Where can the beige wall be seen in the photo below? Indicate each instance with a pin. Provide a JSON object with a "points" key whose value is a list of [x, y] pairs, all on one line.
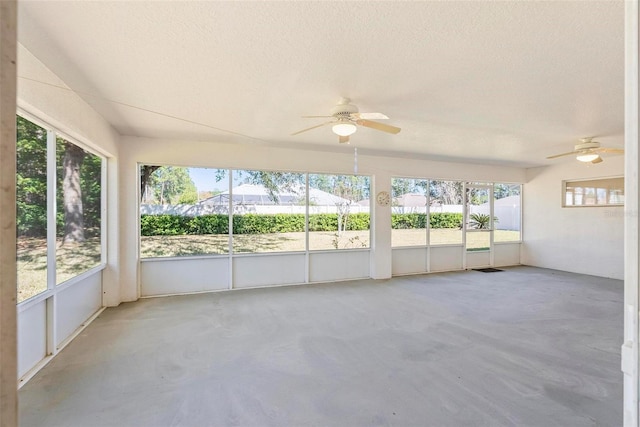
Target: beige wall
{"points": [[553, 237], [257, 156], [588, 240], [70, 114]]}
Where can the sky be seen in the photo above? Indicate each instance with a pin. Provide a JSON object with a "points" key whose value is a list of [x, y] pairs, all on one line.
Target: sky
{"points": [[205, 180]]}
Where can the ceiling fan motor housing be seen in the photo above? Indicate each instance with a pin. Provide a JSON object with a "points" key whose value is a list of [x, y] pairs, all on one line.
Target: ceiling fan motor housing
{"points": [[344, 110], [587, 146]]}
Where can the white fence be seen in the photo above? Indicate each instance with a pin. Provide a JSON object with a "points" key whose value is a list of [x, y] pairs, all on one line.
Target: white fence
{"points": [[198, 210], [507, 211]]}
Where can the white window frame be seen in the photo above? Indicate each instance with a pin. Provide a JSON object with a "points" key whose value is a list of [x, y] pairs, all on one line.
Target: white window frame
{"points": [[52, 289]]}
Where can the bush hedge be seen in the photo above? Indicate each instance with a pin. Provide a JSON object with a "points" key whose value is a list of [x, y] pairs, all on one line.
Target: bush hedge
{"points": [[445, 220], [173, 225]]}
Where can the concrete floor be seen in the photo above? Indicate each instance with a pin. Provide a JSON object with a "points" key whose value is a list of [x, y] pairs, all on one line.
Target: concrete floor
{"points": [[525, 346]]}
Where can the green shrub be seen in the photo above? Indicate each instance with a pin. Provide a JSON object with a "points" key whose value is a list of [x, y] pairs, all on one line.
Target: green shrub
{"points": [[356, 222], [480, 221], [408, 221], [445, 220], [173, 225], [419, 220], [31, 220], [323, 222], [209, 224], [288, 223], [164, 225]]}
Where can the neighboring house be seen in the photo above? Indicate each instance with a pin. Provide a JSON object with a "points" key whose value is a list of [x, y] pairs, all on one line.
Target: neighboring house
{"points": [[251, 198]]}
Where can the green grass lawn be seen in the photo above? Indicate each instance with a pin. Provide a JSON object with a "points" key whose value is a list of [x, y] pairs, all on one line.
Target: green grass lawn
{"points": [[450, 236], [166, 246], [72, 260]]}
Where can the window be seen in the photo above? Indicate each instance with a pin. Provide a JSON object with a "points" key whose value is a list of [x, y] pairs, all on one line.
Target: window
{"points": [[79, 210], [445, 212], [55, 175], [179, 217], [186, 211], [594, 192], [506, 212], [409, 212], [338, 211], [31, 205], [269, 211]]}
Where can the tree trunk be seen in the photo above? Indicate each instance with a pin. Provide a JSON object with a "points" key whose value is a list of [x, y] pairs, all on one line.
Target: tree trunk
{"points": [[72, 194], [145, 175], [343, 214]]}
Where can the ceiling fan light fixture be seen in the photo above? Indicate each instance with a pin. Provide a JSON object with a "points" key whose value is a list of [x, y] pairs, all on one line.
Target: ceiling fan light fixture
{"points": [[344, 129], [586, 158]]}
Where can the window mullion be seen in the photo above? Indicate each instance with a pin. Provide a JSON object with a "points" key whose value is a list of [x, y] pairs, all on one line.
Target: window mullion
{"points": [[306, 230], [230, 231], [51, 209]]}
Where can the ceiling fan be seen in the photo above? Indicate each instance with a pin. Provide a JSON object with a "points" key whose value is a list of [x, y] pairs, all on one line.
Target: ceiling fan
{"points": [[588, 151], [346, 120]]}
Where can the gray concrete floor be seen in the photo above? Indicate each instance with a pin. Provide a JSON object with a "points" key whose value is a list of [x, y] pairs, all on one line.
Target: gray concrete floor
{"points": [[525, 346]]}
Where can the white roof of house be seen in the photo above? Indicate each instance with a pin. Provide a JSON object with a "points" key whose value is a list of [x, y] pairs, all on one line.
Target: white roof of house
{"points": [[258, 194], [410, 199]]}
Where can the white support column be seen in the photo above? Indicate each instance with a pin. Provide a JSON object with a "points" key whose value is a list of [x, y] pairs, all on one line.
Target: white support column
{"points": [[631, 220], [381, 223], [8, 282], [110, 236], [129, 233], [111, 217]]}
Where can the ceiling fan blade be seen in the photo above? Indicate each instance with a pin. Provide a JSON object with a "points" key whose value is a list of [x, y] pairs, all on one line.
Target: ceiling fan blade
{"points": [[378, 126], [610, 150], [343, 139], [597, 160], [563, 154], [370, 116], [312, 127]]}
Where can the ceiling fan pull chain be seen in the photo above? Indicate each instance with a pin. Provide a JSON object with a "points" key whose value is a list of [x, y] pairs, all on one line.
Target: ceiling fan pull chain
{"points": [[355, 161]]}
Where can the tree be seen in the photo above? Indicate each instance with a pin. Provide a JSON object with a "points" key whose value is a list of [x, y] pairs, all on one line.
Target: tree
{"points": [[275, 182], [349, 187], [31, 179], [78, 192], [145, 177], [352, 187], [91, 184], [190, 194], [78, 186], [401, 186], [72, 194], [167, 185], [446, 192], [500, 191]]}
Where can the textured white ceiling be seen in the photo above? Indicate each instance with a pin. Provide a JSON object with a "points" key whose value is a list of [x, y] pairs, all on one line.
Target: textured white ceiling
{"points": [[491, 82]]}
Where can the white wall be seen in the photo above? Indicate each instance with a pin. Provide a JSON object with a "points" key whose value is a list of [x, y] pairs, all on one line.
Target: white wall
{"points": [[588, 240], [70, 114], [48, 320], [255, 156]]}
